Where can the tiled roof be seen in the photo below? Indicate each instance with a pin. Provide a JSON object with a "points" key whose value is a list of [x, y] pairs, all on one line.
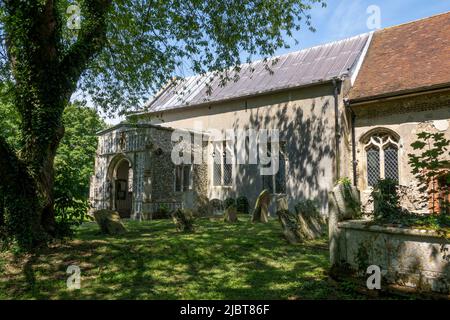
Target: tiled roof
{"points": [[296, 69], [405, 58]]}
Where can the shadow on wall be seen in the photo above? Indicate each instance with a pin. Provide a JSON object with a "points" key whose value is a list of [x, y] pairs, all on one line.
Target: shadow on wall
{"points": [[308, 134]]}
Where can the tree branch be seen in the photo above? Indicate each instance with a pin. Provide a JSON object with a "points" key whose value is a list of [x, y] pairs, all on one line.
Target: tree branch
{"points": [[91, 39]]}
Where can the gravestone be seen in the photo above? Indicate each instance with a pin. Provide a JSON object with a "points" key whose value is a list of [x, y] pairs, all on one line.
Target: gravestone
{"points": [[109, 222], [230, 214], [183, 220], [282, 203], [346, 201], [311, 223], [261, 211], [288, 221]]}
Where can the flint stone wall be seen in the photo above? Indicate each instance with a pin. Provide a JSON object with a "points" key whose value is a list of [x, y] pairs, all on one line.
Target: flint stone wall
{"points": [[148, 149]]}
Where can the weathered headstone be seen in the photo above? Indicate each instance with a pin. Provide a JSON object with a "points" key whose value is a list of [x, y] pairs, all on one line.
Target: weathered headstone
{"points": [[288, 221], [109, 222], [289, 225], [311, 223], [282, 203], [261, 211], [230, 214], [183, 220], [346, 201]]}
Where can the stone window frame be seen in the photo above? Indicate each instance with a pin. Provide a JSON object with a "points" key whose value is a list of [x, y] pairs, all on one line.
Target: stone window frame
{"points": [[380, 138]]}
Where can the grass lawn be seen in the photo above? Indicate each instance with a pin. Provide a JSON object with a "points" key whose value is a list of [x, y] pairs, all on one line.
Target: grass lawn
{"points": [[153, 261]]}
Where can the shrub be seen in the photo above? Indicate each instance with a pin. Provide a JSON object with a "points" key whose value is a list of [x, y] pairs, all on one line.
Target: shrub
{"points": [[216, 205], [242, 205], [431, 167], [71, 211], [229, 202], [386, 199], [163, 212]]}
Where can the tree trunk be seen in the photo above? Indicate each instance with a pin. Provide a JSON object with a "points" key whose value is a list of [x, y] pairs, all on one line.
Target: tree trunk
{"points": [[45, 77], [20, 198], [2, 209], [39, 151]]}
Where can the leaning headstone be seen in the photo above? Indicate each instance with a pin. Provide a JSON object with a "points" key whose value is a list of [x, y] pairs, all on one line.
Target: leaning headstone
{"points": [[282, 203], [183, 220], [311, 223], [346, 201], [261, 211], [230, 214], [289, 225], [289, 221], [109, 222]]}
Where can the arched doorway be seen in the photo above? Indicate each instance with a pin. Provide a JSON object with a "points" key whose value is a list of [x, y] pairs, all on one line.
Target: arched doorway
{"points": [[121, 177]]}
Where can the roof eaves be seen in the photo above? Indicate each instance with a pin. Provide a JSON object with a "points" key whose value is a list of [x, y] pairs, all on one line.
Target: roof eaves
{"points": [[399, 94], [256, 94]]}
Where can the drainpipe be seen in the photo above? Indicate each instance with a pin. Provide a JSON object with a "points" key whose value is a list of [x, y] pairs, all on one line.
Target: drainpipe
{"points": [[347, 104], [336, 92]]}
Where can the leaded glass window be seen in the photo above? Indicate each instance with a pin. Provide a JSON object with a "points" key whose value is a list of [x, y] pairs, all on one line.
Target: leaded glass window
{"points": [[373, 165], [391, 162], [382, 157], [222, 164]]}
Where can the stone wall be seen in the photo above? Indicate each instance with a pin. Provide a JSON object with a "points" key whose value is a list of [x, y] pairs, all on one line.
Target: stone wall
{"points": [[410, 257], [148, 150], [405, 117], [306, 120]]}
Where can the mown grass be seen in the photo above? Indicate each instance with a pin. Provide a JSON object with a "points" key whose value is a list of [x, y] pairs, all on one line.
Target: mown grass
{"points": [[153, 261]]}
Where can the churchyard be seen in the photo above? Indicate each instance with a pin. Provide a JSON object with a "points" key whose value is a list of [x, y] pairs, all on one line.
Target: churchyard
{"points": [[152, 260]]}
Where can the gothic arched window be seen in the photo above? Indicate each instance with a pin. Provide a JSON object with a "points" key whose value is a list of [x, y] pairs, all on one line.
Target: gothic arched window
{"points": [[382, 157]]}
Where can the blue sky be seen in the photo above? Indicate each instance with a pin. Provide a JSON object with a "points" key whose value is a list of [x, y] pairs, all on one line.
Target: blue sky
{"points": [[345, 18]]}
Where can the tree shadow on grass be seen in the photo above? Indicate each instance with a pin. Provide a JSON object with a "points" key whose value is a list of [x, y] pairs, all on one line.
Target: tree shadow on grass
{"points": [[153, 261]]}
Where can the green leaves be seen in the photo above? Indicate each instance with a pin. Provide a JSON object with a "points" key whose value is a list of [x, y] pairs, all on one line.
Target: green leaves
{"points": [[433, 161], [386, 200], [74, 162], [149, 42]]}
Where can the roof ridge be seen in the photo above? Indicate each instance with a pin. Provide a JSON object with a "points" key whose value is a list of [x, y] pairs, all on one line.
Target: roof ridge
{"points": [[323, 45], [414, 21]]}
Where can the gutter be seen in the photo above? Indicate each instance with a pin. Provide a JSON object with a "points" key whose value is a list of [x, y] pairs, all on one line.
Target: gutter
{"points": [[230, 99], [400, 94], [353, 119], [336, 91]]}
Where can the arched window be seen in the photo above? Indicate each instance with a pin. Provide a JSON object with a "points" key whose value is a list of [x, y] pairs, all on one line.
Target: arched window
{"points": [[381, 156]]}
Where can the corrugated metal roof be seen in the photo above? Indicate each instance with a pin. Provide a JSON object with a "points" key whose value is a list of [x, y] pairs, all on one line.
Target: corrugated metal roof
{"points": [[296, 69]]}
